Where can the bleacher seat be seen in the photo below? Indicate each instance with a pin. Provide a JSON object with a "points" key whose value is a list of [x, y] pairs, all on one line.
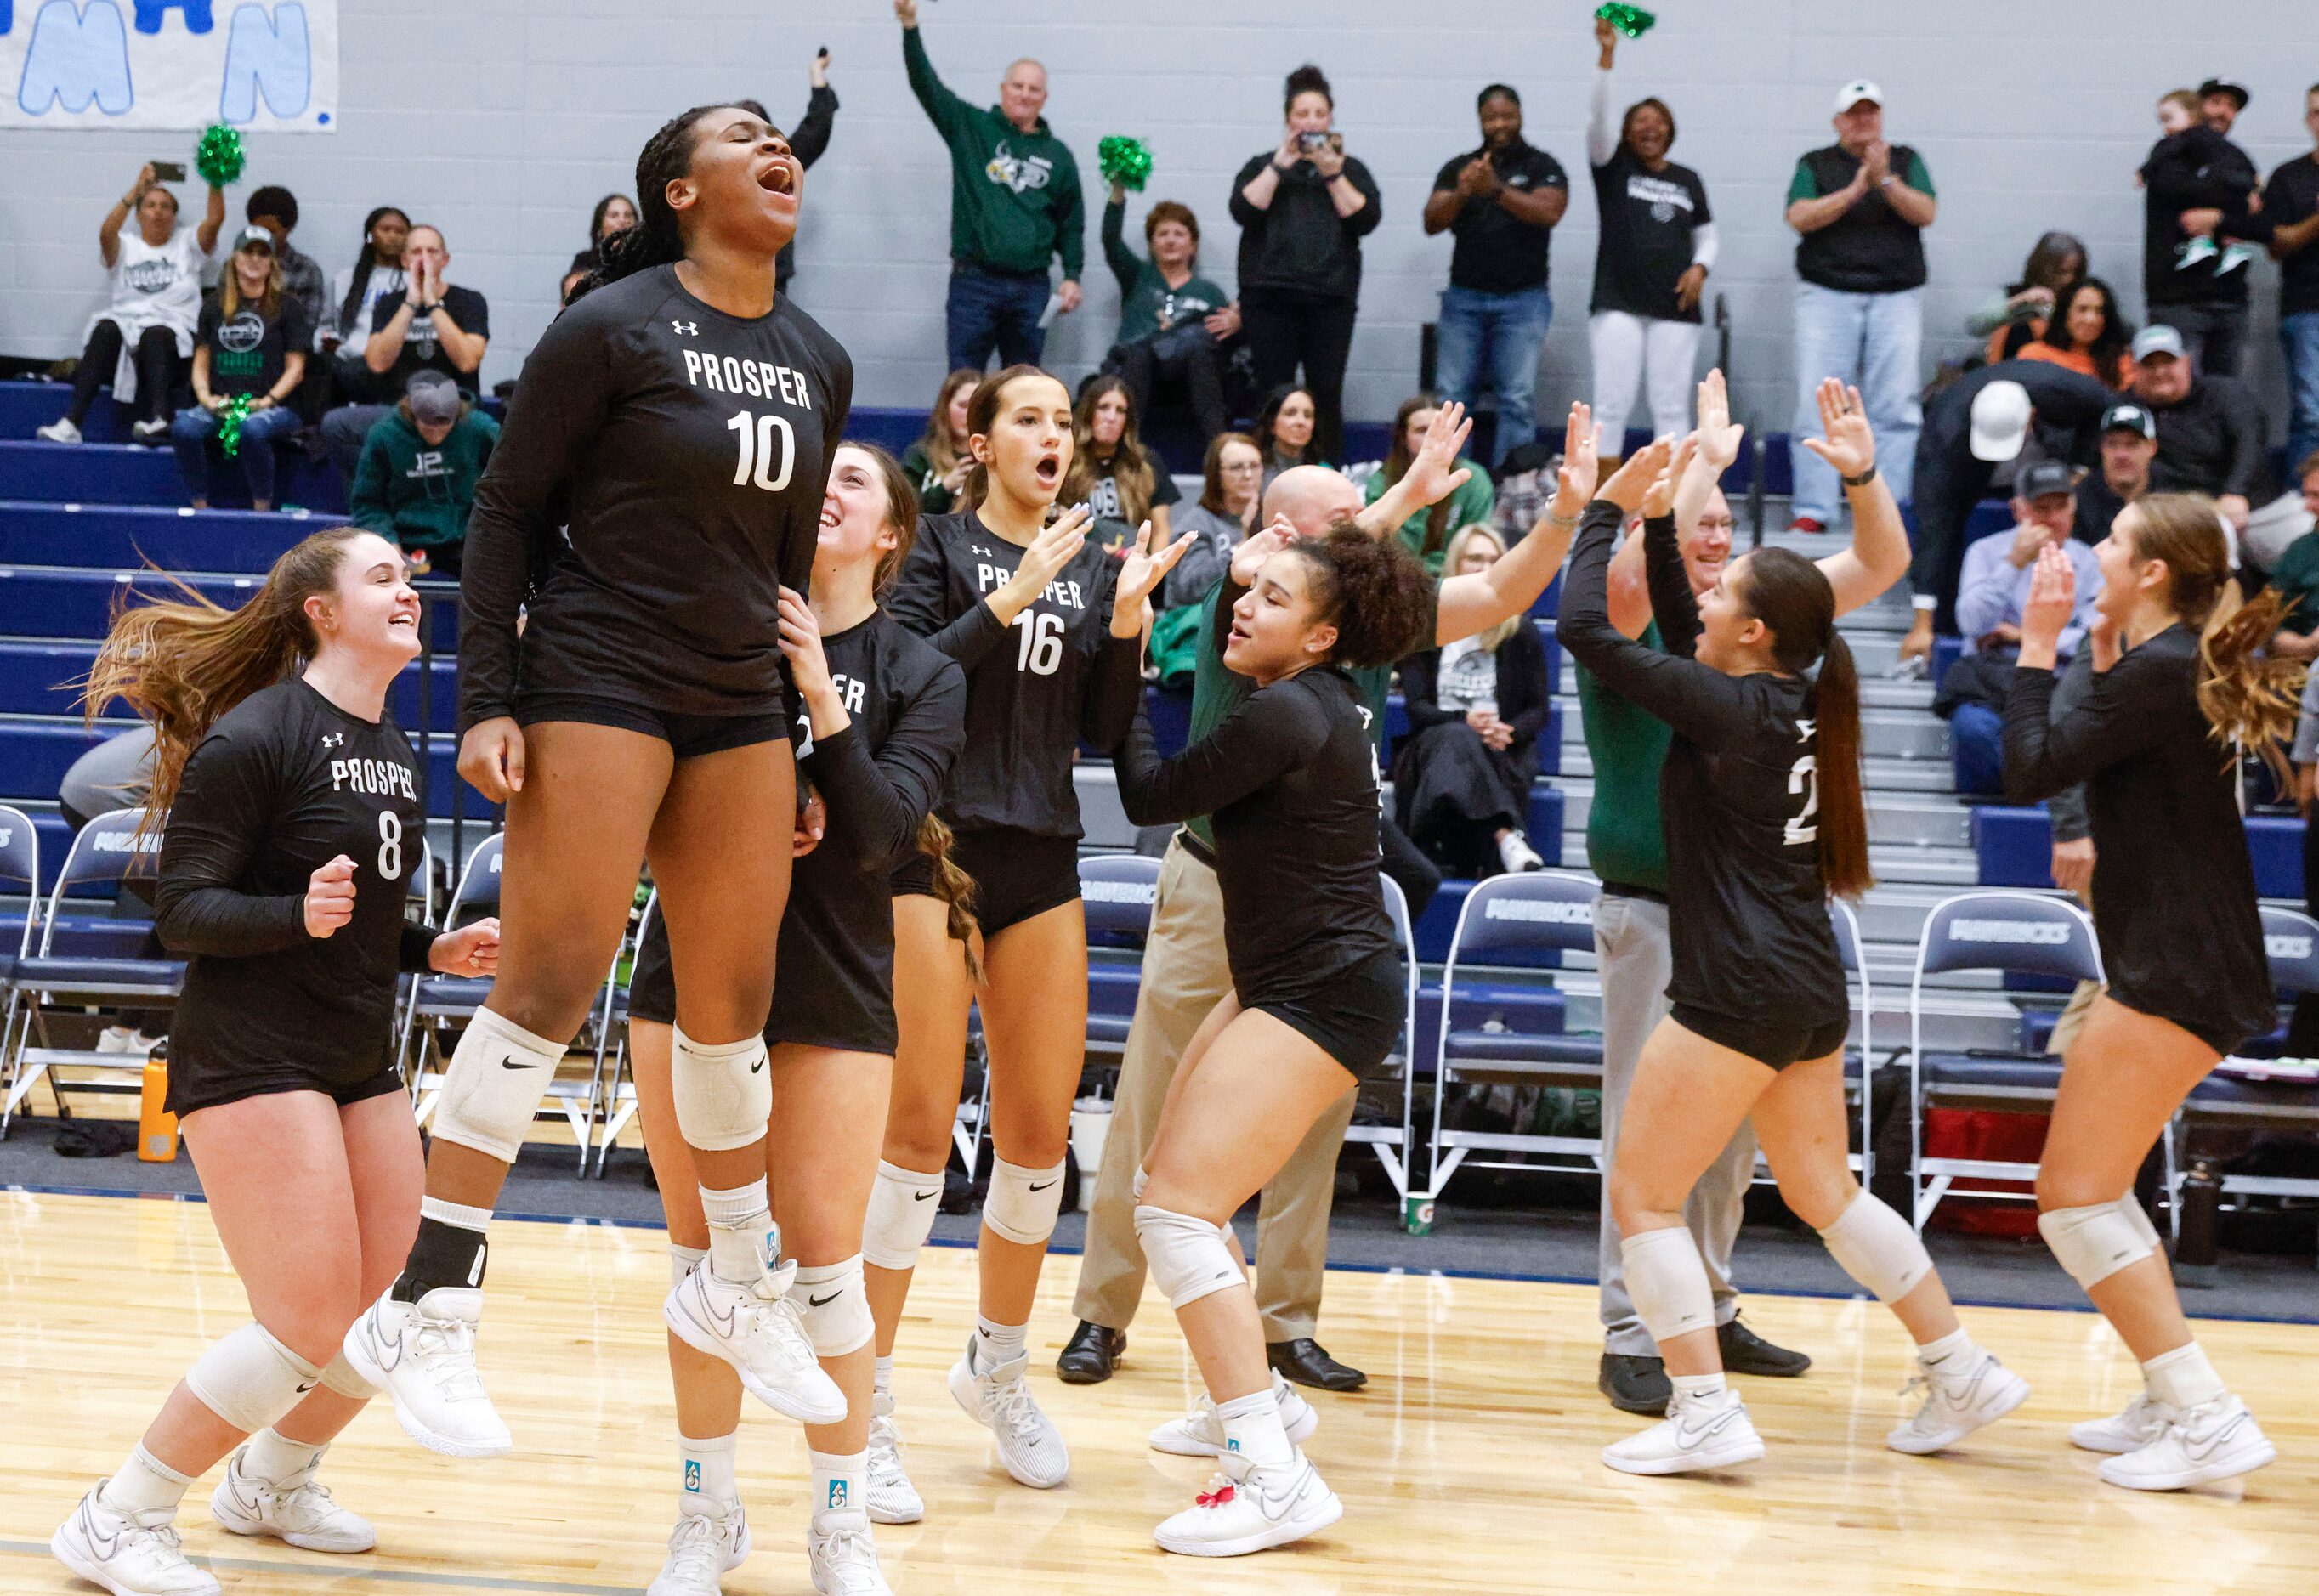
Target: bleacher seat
{"points": [[1116, 892], [2014, 847]]}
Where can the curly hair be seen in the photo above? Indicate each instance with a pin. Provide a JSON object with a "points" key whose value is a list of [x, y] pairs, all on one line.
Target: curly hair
{"points": [[1374, 589]]}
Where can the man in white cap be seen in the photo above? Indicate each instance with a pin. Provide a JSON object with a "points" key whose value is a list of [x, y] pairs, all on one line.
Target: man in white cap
{"points": [[2209, 432], [1861, 205]]}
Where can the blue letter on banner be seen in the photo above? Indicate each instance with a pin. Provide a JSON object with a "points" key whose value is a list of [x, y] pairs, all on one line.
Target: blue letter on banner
{"points": [[77, 56], [271, 55]]}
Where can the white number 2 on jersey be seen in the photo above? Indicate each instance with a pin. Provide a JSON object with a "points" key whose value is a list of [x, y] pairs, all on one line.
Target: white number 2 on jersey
{"points": [[759, 436], [1041, 651], [390, 846], [1803, 777]]}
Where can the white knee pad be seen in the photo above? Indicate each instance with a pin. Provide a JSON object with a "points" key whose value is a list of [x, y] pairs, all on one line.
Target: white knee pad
{"points": [[724, 1093], [340, 1376], [1878, 1248], [1142, 1179], [1667, 1282], [499, 1073], [901, 1216], [249, 1379], [830, 1299], [681, 1260], [1023, 1203], [1187, 1256], [2095, 1243]]}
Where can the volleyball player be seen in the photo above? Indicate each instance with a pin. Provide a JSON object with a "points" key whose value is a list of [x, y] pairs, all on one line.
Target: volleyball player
{"points": [[294, 828], [1050, 629], [2180, 684], [1289, 779], [676, 424], [1760, 797]]}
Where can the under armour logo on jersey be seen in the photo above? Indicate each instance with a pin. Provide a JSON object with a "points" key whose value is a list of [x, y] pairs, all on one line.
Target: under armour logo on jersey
{"points": [[688, 328], [334, 739]]}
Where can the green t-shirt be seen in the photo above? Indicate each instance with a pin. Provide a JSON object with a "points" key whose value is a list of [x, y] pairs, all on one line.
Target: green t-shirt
{"points": [[1470, 503], [1625, 841], [1217, 690], [2297, 578]]}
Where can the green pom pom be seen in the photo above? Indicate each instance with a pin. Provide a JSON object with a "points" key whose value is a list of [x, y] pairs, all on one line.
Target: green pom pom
{"points": [[220, 157], [1632, 20], [1124, 160], [230, 416]]}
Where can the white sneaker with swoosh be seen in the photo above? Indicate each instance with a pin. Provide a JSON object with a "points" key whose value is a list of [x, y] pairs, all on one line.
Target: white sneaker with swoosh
{"points": [[1698, 1434], [758, 1330], [2143, 1421], [702, 1548], [999, 1400], [1201, 1434], [422, 1354], [129, 1554], [1251, 1507], [843, 1556], [300, 1514], [2212, 1441], [1955, 1405], [890, 1496]]}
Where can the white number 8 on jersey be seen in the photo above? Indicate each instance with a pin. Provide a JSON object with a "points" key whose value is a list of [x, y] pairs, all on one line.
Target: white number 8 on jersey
{"points": [[390, 846]]}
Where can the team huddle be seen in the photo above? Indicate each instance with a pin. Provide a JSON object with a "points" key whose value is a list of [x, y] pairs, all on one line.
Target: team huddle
{"points": [[703, 637]]}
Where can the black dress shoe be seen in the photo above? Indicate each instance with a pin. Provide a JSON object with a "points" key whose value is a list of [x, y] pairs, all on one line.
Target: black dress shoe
{"points": [[1305, 1361], [1635, 1385], [1091, 1354], [1746, 1353]]}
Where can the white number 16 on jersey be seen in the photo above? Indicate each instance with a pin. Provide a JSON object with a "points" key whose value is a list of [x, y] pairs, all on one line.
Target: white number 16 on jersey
{"points": [[760, 436]]}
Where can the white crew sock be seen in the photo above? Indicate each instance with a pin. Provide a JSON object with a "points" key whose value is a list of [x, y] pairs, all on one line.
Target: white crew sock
{"points": [[707, 1487], [742, 1239], [1699, 1386], [2183, 1379], [838, 1480], [1252, 1428], [1952, 1354], [882, 1381], [994, 1344], [144, 1483], [279, 1461]]}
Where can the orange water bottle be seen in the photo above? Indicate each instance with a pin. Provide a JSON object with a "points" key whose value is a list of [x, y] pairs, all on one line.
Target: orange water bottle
{"points": [[157, 1127]]}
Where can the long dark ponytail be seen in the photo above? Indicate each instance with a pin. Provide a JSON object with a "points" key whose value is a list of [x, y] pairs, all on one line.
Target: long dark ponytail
{"points": [[656, 239], [366, 261], [1791, 596], [953, 887]]}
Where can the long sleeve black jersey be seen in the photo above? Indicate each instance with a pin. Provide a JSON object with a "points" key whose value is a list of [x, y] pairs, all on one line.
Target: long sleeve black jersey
{"points": [[683, 452], [1034, 689]]}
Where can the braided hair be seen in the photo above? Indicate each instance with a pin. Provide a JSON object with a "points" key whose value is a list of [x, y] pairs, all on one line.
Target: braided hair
{"points": [[656, 239]]}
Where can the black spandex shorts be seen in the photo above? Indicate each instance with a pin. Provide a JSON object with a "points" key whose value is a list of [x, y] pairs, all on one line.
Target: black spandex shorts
{"points": [[690, 736], [2224, 1039], [1017, 875], [1355, 1017], [192, 1085], [812, 1014], [1773, 1044]]}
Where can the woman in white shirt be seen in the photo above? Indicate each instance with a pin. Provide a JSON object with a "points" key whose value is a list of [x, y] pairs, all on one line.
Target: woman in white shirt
{"points": [[143, 338]]}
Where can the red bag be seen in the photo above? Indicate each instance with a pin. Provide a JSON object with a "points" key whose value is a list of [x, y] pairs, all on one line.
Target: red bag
{"points": [[1998, 1137]]}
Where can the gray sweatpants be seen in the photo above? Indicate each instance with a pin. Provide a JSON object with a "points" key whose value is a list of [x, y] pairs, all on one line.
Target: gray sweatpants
{"points": [[1630, 946]]}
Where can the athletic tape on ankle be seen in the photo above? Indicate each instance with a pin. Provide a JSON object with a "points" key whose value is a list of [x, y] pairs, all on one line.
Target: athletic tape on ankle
{"points": [[1023, 1203], [1668, 1284], [724, 1092], [340, 1376], [1877, 1247], [830, 1299], [1187, 1256], [498, 1074], [681, 1260], [901, 1216], [2095, 1242], [249, 1379]]}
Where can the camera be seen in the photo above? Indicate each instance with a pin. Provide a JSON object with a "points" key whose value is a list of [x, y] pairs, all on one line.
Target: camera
{"points": [[1314, 143]]}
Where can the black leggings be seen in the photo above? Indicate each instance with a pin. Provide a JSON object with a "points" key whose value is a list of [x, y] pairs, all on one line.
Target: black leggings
{"points": [[157, 371], [1287, 329], [1197, 361]]}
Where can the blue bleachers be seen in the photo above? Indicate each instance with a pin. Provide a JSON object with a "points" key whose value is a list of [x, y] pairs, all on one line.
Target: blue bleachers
{"points": [[33, 678], [37, 603], [124, 473], [127, 537], [2015, 848]]}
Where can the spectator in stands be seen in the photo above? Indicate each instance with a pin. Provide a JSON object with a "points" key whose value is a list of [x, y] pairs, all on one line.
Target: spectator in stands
{"points": [[1014, 206], [1990, 594], [251, 341], [1426, 533], [2295, 575], [614, 213], [2129, 442], [808, 141], [2290, 204], [1112, 472], [1172, 321], [2209, 434], [1462, 776], [1303, 210], [938, 462], [1285, 429], [1972, 429], [1650, 268], [2088, 335], [2021, 313], [1231, 487], [1861, 206], [2198, 199], [275, 209], [1502, 201], [420, 462], [433, 325], [140, 340], [376, 275]]}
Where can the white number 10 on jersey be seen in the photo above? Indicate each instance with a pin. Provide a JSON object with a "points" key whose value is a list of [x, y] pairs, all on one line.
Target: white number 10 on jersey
{"points": [[760, 436]]}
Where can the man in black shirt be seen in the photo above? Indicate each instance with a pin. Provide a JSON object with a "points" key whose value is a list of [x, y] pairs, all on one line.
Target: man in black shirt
{"points": [[431, 326], [2129, 443], [1502, 201], [2209, 433], [2290, 204]]}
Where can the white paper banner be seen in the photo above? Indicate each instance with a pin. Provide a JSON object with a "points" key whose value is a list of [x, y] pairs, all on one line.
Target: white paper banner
{"points": [[270, 66]]}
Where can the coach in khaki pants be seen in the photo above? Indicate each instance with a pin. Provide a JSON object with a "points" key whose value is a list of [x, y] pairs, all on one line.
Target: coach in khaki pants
{"points": [[1184, 978]]}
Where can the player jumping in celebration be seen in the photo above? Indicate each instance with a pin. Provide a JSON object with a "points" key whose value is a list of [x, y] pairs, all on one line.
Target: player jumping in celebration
{"points": [[294, 828], [1760, 799], [2179, 682], [677, 424], [1289, 779], [1050, 629], [887, 714]]}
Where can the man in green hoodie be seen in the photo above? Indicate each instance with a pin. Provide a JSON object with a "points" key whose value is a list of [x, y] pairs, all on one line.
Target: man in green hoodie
{"points": [[1014, 206], [420, 462]]}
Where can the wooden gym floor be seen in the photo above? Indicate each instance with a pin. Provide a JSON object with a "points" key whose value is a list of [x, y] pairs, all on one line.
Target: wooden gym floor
{"points": [[1467, 1465]]}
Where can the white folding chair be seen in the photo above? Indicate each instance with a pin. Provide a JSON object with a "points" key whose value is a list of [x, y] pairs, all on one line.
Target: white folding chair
{"points": [[1391, 1143], [20, 862], [1848, 949]]}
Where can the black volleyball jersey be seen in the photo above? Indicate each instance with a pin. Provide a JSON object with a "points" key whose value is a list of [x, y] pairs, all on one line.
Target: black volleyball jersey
{"points": [[684, 453], [286, 782], [1739, 795], [1289, 781], [1034, 689]]}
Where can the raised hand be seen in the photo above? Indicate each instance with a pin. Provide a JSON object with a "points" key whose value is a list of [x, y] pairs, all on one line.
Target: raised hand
{"points": [[1581, 466], [906, 11], [1633, 479], [1850, 446], [330, 897], [470, 950], [1145, 567], [1055, 545], [1435, 474], [1719, 435], [2053, 599], [1658, 499], [1252, 551]]}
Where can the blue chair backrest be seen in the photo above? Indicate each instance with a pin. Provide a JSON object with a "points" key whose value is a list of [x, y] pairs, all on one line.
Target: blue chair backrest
{"points": [[479, 884], [2009, 931], [1847, 933], [108, 849], [1117, 891], [2292, 941], [1530, 913], [20, 849]]}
